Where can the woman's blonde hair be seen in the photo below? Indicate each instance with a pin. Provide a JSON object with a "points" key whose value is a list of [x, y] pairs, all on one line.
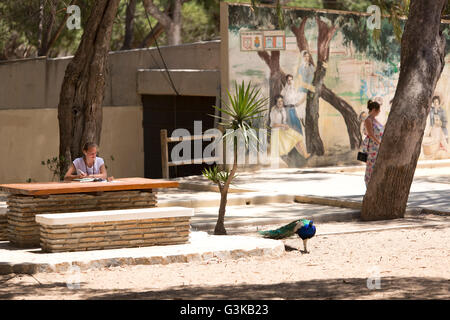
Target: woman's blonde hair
{"points": [[89, 145]]}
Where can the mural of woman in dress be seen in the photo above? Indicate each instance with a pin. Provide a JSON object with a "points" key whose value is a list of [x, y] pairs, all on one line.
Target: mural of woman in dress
{"points": [[435, 144], [288, 138], [291, 98], [437, 110], [305, 76]]}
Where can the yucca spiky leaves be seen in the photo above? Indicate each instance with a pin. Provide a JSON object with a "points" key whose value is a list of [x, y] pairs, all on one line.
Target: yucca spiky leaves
{"points": [[242, 109], [219, 177]]}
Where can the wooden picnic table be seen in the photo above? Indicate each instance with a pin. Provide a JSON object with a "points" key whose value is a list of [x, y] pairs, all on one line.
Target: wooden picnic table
{"points": [[48, 188], [25, 200]]}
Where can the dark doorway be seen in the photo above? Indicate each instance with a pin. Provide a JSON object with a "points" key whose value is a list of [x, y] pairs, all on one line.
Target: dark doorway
{"points": [[172, 112]]}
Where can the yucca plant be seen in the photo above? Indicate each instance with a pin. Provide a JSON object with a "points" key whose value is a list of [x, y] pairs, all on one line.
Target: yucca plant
{"points": [[238, 114]]}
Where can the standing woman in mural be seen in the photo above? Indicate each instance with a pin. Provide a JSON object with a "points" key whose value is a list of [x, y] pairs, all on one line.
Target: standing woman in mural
{"points": [[288, 138], [291, 100], [371, 144], [437, 110], [305, 76]]}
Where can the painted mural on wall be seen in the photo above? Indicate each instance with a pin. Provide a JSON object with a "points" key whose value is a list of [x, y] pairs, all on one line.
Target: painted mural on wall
{"points": [[319, 72]]}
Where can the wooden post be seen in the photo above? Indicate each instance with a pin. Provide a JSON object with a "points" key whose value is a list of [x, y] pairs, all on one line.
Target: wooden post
{"points": [[164, 154]]}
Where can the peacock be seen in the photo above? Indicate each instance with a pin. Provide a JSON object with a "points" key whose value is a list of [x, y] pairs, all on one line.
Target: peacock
{"points": [[303, 227]]}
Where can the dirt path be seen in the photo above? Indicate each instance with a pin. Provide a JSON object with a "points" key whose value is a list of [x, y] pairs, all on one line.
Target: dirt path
{"points": [[409, 263]]}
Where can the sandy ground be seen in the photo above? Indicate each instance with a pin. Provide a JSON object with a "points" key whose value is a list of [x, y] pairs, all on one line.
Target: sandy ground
{"points": [[406, 263]]}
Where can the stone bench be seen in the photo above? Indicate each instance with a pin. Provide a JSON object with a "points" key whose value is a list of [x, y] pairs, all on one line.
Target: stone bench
{"points": [[113, 229], [23, 231]]}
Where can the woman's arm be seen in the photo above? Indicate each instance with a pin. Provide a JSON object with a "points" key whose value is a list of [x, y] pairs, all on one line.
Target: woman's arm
{"points": [[70, 174], [103, 174], [369, 129]]}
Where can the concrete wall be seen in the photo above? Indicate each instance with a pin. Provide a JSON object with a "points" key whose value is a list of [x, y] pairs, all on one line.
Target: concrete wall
{"points": [[29, 96], [36, 83], [29, 136]]}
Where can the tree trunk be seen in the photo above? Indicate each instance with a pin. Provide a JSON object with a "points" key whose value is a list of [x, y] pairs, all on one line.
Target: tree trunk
{"points": [[173, 33], [152, 35], [422, 61], [277, 77], [299, 33], [82, 90], [220, 224], [314, 143], [41, 25], [129, 25], [170, 19], [347, 112]]}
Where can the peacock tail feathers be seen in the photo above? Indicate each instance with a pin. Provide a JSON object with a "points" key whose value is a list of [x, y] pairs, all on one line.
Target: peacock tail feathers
{"points": [[285, 231]]}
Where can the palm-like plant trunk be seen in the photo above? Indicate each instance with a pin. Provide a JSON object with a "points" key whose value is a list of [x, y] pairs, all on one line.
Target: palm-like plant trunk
{"points": [[220, 224]]}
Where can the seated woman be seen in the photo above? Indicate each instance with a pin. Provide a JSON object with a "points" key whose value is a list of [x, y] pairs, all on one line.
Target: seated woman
{"points": [[88, 166], [288, 138], [434, 141]]}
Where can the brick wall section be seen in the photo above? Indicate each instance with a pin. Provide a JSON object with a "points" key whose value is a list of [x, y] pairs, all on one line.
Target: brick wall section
{"points": [[23, 231], [115, 234]]}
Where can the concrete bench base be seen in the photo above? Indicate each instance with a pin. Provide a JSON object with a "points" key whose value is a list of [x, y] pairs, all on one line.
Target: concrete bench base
{"points": [[114, 229], [23, 231]]}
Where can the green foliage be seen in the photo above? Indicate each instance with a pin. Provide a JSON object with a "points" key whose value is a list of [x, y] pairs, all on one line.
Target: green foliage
{"points": [[218, 177], [355, 32], [55, 165], [19, 25], [201, 20], [395, 10], [19, 21], [242, 109]]}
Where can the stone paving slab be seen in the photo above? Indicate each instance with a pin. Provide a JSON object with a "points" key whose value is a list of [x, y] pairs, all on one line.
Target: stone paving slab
{"points": [[209, 199], [430, 189], [201, 247], [273, 213]]}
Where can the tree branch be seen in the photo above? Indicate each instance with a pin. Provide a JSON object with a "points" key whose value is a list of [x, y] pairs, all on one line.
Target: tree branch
{"points": [[265, 56], [150, 37], [129, 25], [299, 33], [153, 10], [325, 35], [59, 30]]}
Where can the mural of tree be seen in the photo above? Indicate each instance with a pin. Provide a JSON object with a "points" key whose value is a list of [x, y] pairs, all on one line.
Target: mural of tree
{"points": [[355, 34], [277, 75]]}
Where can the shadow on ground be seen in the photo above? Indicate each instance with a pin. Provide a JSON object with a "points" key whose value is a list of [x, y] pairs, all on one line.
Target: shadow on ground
{"points": [[351, 288]]}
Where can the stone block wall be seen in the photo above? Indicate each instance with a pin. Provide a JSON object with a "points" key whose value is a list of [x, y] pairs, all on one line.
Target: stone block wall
{"points": [[115, 234], [23, 231], [3, 225]]}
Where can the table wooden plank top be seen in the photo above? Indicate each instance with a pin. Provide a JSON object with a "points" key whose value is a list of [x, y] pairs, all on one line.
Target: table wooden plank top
{"points": [[48, 188]]}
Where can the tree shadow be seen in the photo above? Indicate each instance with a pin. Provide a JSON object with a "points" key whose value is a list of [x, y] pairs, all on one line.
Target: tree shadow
{"points": [[338, 288], [350, 288]]}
